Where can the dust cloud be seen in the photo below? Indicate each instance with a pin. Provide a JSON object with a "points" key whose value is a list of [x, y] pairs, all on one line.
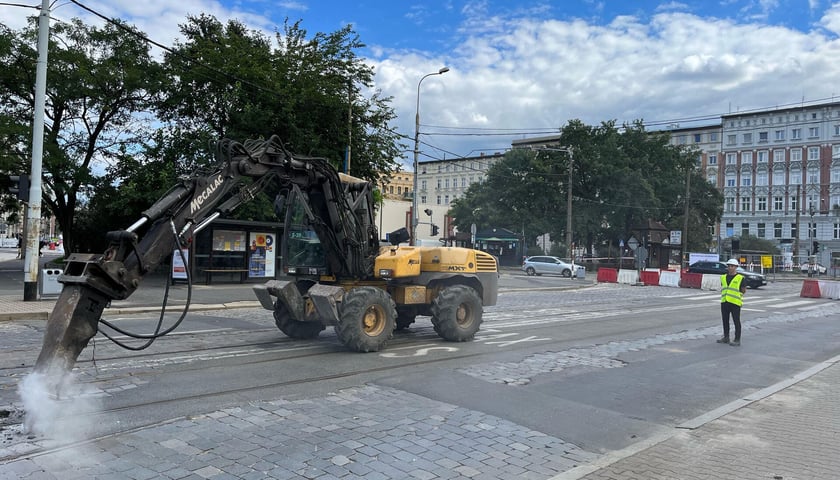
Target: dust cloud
{"points": [[57, 410]]}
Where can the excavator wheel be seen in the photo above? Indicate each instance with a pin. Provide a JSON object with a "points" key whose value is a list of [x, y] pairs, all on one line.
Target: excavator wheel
{"points": [[293, 328], [405, 317], [456, 313], [367, 319]]}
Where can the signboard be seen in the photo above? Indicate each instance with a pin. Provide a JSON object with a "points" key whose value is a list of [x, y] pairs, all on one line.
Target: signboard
{"points": [[228, 241], [179, 269], [261, 255], [702, 257], [767, 261], [676, 237]]}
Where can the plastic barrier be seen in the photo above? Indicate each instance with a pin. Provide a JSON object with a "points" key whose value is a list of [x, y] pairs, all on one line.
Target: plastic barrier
{"points": [[650, 277], [711, 281], [691, 280], [630, 277], [607, 275], [669, 278], [829, 289], [810, 289]]}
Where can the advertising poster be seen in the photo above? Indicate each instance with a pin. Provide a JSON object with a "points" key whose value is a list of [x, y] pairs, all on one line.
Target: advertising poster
{"points": [[179, 269], [261, 255]]}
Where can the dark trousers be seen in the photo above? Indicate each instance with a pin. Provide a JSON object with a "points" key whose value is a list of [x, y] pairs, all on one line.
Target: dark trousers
{"points": [[726, 309]]}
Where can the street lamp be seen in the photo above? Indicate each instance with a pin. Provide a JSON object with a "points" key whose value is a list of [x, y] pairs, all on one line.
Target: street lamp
{"points": [[415, 220]]}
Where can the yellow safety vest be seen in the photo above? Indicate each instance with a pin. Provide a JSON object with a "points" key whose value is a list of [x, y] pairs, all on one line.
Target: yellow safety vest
{"points": [[731, 293]]}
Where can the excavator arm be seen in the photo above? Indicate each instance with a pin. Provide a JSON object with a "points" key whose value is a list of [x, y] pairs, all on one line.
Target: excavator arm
{"points": [[91, 281]]}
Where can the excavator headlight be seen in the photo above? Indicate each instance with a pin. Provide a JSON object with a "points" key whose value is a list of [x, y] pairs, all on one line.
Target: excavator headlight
{"points": [[292, 270], [386, 273]]}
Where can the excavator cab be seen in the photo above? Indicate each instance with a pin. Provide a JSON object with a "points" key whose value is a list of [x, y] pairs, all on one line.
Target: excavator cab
{"points": [[303, 253]]}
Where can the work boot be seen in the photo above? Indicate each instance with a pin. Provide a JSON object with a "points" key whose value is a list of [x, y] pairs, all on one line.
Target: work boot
{"points": [[723, 339], [735, 343]]}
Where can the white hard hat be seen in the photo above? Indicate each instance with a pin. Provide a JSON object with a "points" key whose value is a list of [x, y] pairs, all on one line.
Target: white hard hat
{"points": [[732, 261]]}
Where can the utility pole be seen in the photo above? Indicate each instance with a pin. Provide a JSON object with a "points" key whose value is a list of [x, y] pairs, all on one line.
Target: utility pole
{"points": [[569, 210], [685, 220], [796, 239], [33, 215]]}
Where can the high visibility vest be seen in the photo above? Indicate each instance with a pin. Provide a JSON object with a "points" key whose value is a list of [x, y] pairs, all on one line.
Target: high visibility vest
{"points": [[731, 293]]}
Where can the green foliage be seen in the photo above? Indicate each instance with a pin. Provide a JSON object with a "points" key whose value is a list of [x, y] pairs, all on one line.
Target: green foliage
{"points": [[620, 179]]}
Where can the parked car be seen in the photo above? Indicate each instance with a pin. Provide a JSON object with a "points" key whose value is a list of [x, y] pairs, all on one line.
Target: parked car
{"points": [[751, 279], [540, 265], [813, 267]]}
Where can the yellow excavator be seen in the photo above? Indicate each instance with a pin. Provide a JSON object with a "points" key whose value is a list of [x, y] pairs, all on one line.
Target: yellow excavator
{"points": [[335, 271]]}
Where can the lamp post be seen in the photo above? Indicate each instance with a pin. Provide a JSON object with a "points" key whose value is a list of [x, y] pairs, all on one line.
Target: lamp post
{"points": [[415, 217], [812, 258]]}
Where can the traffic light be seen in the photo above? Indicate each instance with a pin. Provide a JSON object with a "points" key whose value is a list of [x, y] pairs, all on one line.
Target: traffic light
{"points": [[435, 230], [19, 187], [816, 248]]}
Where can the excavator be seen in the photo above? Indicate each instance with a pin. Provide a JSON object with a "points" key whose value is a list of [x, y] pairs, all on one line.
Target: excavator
{"points": [[335, 270]]}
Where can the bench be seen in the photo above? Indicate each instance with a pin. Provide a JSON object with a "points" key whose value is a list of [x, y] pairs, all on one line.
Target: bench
{"points": [[210, 271]]}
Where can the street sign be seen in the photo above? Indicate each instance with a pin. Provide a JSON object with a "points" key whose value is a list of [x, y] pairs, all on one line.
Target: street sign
{"points": [[633, 243], [676, 237]]}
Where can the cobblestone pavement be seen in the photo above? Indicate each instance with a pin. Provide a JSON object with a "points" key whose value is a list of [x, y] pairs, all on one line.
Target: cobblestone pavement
{"points": [[790, 435], [366, 432]]}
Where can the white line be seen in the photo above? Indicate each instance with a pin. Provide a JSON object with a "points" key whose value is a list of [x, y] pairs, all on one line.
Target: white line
{"points": [[792, 304]]}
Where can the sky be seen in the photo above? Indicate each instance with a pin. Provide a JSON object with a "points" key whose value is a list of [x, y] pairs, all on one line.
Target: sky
{"points": [[522, 68]]}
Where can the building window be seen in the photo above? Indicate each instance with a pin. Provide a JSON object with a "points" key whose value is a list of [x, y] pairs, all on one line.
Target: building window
{"points": [[761, 231], [779, 156], [746, 179], [422, 199], [730, 139], [399, 190], [793, 232], [439, 181], [746, 157], [795, 154], [813, 176], [730, 204], [780, 135], [794, 203], [446, 183], [713, 159], [713, 137], [712, 178], [837, 130], [762, 136], [762, 156], [796, 177], [777, 230], [746, 204], [747, 138], [796, 134], [762, 206], [836, 231], [731, 158], [761, 178], [813, 132], [730, 179], [698, 138], [446, 200], [730, 229], [745, 229], [835, 174], [423, 185], [438, 199], [463, 182], [778, 176], [813, 153], [778, 204]]}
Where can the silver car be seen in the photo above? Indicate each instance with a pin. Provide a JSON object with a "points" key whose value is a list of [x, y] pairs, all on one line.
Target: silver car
{"points": [[540, 265]]}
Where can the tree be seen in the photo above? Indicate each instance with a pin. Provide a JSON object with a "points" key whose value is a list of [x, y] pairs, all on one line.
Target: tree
{"points": [[99, 83], [227, 81], [620, 179]]}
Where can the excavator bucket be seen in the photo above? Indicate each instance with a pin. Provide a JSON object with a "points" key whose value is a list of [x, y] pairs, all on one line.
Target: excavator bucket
{"points": [[71, 325]]}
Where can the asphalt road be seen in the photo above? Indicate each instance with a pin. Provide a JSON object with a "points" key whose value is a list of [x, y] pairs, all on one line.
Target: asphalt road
{"points": [[599, 367]]}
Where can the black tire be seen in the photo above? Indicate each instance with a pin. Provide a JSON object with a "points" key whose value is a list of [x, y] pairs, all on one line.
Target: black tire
{"points": [[405, 317], [456, 313], [293, 328], [368, 318], [530, 271], [567, 273]]}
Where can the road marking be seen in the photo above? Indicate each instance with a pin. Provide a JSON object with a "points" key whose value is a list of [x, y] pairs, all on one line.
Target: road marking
{"points": [[792, 304]]}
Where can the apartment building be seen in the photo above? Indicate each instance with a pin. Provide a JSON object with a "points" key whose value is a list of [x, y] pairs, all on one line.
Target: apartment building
{"points": [[779, 173]]}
